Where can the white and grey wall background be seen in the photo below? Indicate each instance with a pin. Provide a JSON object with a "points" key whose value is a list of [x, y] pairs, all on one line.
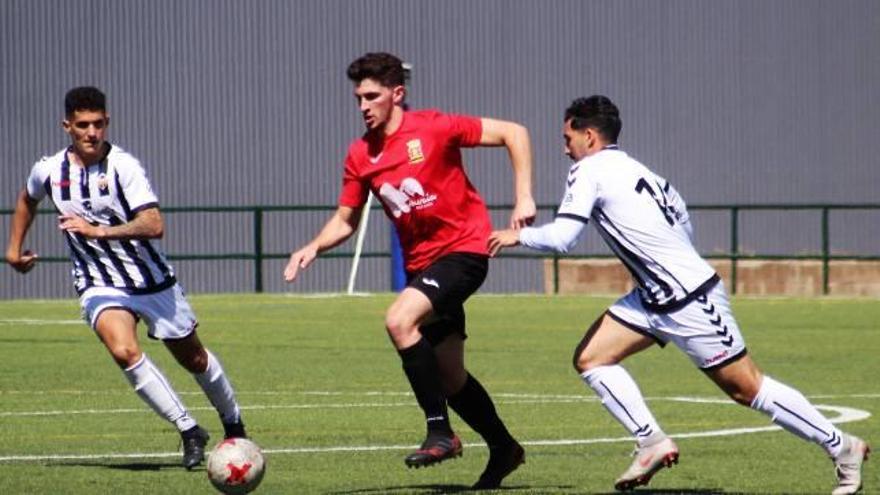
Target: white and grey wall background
{"points": [[233, 103]]}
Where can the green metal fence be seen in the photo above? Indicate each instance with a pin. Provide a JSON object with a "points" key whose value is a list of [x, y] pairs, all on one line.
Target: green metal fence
{"points": [[257, 255]]}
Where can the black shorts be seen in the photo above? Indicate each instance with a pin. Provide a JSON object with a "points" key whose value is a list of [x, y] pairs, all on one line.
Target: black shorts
{"points": [[447, 283]]}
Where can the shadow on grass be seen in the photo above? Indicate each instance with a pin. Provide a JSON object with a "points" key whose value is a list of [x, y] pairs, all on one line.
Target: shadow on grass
{"points": [[513, 489], [435, 488], [127, 466], [670, 491]]}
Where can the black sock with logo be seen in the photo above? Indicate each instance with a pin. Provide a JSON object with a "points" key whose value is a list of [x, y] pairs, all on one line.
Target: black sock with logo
{"points": [[420, 366]]}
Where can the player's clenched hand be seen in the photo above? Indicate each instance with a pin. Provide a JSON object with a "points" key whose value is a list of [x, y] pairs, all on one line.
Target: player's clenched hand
{"points": [[523, 215], [502, 239], [22, 263], [77, 225], [299, 259]]}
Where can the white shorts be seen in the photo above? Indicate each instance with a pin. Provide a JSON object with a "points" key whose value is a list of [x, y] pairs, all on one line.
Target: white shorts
{"points": [[704, 329], [167, 313]]}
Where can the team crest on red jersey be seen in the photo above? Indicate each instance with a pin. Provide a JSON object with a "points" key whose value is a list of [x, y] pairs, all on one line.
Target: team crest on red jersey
{"points": [[414, 150]]}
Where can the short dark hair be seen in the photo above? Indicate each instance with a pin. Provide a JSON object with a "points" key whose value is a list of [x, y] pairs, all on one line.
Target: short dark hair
{"points": [[84, 98], [597, 112], [382, 67]]}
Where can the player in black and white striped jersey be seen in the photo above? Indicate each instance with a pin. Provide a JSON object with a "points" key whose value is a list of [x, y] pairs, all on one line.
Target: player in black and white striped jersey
{"points": [[111, 192], [678, 298], [109, 217]]}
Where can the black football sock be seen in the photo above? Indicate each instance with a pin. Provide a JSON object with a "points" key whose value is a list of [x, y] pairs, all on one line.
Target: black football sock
{"points": [[473, 404], [420, 366]]}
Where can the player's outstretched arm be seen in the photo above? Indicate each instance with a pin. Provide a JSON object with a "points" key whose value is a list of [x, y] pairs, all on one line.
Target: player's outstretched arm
{"points": [[146, 224], [340, 227], [559, 236], [515, 138], [22, 218]]}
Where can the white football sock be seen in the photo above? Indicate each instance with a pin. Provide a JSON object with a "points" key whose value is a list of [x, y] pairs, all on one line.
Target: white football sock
{"points": [[621, 397], [152, 386], [789, 409], [219, 391]]}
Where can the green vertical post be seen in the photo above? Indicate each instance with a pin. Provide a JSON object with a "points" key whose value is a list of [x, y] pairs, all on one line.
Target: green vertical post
{"points": [[258, 249], [555, 273], [734, 246], [826, 252]]}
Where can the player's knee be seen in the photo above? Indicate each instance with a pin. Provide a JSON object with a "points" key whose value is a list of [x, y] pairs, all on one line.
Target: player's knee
{"points": [[582, 361], [741, 381], [193, 358], [197, 362], [125, 355], [398, 326], [587, 358], [744, 397], [744, 390]]}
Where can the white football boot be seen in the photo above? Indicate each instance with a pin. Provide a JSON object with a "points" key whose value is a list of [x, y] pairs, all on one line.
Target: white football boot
{"points": [[848, 466], [648, 460]]}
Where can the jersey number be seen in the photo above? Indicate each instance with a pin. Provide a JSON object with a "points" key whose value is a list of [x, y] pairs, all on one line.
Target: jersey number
{"points": [[659, 197]]}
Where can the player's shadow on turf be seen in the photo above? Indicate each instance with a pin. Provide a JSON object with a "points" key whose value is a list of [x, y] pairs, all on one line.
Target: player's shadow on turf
{"points": [[687, 491], [428, 488], [128, 466], [404, 489]]}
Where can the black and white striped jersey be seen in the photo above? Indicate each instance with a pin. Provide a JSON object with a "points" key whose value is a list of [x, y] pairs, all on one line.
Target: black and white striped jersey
{"points": [[107, 193], [644, 221]]}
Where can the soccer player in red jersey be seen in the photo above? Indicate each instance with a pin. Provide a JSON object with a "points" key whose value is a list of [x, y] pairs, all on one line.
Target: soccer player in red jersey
{"points": [[411, 160]]}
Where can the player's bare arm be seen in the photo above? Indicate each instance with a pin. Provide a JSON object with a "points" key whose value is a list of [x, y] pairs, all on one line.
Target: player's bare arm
{"points": [[147, 224], [340, 227], [515, 138], [25, 211]]}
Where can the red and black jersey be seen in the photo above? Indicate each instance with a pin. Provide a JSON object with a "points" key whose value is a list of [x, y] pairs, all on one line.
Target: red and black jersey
{"points": [[418, 175]]}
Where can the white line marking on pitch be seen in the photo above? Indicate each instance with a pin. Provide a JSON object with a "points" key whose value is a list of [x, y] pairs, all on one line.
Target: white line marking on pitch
{"points": [[33, 321], [844, 415], [351, 405], [510, 399], [376, 393]]}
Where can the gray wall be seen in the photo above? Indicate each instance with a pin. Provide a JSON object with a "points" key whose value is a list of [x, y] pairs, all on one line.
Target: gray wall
{"points": [[241, 103]]}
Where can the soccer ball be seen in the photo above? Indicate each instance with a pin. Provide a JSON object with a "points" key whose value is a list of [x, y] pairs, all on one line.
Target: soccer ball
{"points": [[236, 466]]}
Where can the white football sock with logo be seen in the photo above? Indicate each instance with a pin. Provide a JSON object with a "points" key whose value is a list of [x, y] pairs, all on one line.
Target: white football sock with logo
{"points": [[622, 398], [792, 411], [219, 391], [152, 386]]}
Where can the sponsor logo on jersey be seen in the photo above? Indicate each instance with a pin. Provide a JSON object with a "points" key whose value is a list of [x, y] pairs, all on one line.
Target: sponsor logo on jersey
{"points": [[411, 195], [60, 183], [414, 150]]}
